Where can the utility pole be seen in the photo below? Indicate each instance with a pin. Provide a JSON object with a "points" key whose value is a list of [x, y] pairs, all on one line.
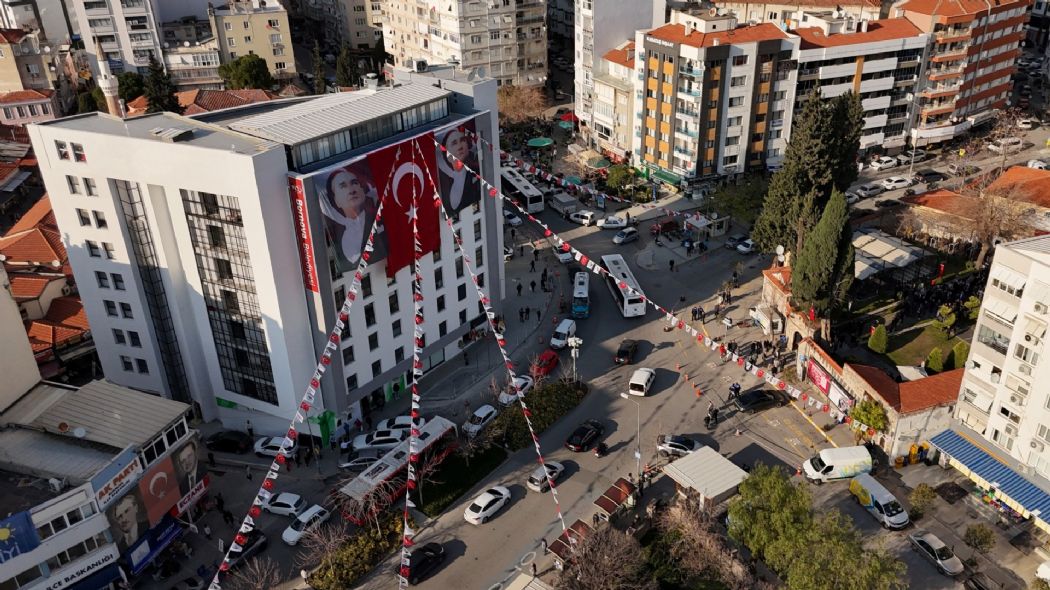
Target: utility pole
{"points": [[574, 351]]}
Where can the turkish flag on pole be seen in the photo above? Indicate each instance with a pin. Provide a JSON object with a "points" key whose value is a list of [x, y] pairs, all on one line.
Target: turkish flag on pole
{"points": [[404, 175]]}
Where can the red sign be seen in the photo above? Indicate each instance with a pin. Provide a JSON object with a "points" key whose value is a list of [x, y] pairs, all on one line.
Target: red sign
{"points": [[818, 376], [191, 497], [302, 231], [159, 489]]}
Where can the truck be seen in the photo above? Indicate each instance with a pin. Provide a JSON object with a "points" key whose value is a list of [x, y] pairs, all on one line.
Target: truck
{"points": [[564, 204], [837, 463]]}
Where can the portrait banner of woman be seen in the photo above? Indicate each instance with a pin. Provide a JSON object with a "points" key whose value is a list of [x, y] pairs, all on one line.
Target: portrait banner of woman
{"points": [[459, 187], [349, 203]]}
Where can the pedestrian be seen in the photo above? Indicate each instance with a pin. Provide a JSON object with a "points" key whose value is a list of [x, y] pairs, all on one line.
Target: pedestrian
{"points": [[368, 422], [248, 472], [671, 264], [543, 276], [527, 310], [358, 425], [466, 361], [309, 455], [521, 250], [220, 502], [532, 266], [532, 285], [521, 310], [535, 254], [251, 431], [207, 532], [298, 455], [211, 459], [519, 289], [543, 546], [538, 317], [703, 317], [227, 517], [513, 234]]}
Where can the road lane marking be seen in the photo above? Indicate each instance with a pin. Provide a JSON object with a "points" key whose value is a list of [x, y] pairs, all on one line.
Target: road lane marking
{"points": [[814, 425]]}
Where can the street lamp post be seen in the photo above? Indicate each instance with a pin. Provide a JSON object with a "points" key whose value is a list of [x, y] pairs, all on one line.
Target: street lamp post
{"points": [[637, 434], [574, 351]]}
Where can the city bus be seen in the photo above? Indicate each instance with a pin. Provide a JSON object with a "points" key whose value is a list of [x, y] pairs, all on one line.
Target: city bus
{"points": [[629, 296], [384, 482], [515, 185], [581, 296]]}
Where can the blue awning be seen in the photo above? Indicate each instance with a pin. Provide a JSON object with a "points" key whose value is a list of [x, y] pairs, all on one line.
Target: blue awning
{"points": [[990, 468]]}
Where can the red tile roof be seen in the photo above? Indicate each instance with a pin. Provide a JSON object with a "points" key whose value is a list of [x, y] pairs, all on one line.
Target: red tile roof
{"points": [[14, 133], [69, 312], [881, 383], [932, 391], [29, 286], [945, 201], [43, 332], [623, 56], [30, 95], [750, 34], [202, 101], [38, 245], [878, 30], [1026, 184], [950, 8], [39, 214], [12, 35]]}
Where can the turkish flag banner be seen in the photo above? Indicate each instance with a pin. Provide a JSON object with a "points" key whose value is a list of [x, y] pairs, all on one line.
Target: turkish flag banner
{"points": [[405, 174]]}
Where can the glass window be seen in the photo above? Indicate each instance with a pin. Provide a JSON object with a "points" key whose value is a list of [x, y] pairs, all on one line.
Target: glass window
{"points": [[373, 341], [83, 217], [394, 304], [78, 153], [62, 148], [396, 328], [111, 308], [109, 249], [74, 184], [125, 310], [90, 188], [348, 354], [142, 366], [118, 337], [133, 337], [102, 279], [377, 369], [441, 303], [370, 315], [100, 219]]}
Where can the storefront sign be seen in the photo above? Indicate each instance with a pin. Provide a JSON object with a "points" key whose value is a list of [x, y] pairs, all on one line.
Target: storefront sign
{"points": [[191, 497], [818, 377], [152, 543], [82, 568], [659, 42], [110, 483], [840, 398]]}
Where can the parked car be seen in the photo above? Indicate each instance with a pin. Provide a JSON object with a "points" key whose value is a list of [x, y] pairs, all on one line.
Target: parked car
{"points": [[538, 481], [479, 420], [888, 204], [398, 423], [229, 441], [585, 436], [519, 388], [866, 191], [911, 157], [929, 176], [641, 382], [191, 583], [309, 520], [423, 562], [511, 219], [285, 504], [672, 445], [884, 163], [269, 446], [896, 182], [612, 222], [584, 217], [379, 439], [852, 198], [1006, 145], [746, 247], [358, 461], [1037, 164], [962, 169], [563, 256], [255, 543], [759, 399], [625, 352], [508, 253], [487, 505], [932, 548], [546, 362], [626, 236], [735, 240]]}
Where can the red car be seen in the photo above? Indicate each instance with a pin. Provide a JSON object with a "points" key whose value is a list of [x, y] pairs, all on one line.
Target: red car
{"points": [[546, 363]]}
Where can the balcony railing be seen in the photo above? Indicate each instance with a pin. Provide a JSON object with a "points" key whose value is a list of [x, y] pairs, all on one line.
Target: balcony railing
{"points": [[690, 133], [996, 344]]}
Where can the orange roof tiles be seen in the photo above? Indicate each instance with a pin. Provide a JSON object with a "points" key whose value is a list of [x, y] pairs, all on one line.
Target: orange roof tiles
{"points": [[952, 8], [945, 201], [623, 56], [30, 95], [30, 286], [46, 332], [202, 101], [878, 30], [929, 392], [40, 245], [68, 311], [881, 383], [1027, 184], [12, 35], [39, 213], [750, 34]]}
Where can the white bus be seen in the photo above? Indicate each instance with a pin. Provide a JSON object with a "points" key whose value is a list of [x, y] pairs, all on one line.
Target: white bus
{"points": [[581, 295], [628, 297], [515, 185]]}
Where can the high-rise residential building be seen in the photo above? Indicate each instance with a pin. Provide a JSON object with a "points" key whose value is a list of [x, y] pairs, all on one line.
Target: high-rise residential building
{"points": [[881, 61], [128, 31], [793, 15], [191, 54], [561, 21], [234, 257], [504, 40], [613, 118], [600, 27], [362, 23], [257, 27], [712, 99], [967, 75], [52, 18]]}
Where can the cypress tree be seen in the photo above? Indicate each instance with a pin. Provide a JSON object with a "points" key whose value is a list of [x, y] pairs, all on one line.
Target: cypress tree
{"points": [[848, 122], [823, 269], [935, 361], [319, 80], [878, 340], [160, 90], [346, 68]]}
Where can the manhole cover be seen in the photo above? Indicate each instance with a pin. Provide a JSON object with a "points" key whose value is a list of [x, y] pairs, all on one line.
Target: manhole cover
{"points": [[951, 492]]}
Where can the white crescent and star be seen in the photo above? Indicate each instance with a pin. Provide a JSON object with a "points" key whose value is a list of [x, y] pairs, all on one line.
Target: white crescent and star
{"points": [[405, 169], [162, 477]]}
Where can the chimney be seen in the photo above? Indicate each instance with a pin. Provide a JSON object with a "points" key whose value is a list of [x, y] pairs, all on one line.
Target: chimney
{"points": [[863, 25], [108, 83]]}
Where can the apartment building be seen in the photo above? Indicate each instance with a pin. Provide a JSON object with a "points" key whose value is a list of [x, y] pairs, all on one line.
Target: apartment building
{"points": [[795, 15], [504, 40], [52, 18], [30, 62], [881, 61], [561, 17], [974, 49], [613, 119], [712, 99], [257, 27], [128, 31], [28, 106], [228, 284], [362, 23], [600, 27]]}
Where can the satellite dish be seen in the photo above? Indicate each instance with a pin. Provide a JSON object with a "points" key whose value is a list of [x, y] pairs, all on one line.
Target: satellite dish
{"points": [[481, 72], [780, 250], [472, 75], [185, 43], [166, 45], [47, 49], [79, 432], [56, 263]]}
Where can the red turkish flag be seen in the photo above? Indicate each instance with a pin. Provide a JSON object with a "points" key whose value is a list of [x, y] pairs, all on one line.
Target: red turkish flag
{"points": [[405, 174]]}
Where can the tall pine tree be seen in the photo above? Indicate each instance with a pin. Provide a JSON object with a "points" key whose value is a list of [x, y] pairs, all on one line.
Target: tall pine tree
{"points": [[159, 90], [319, 80], [346, 68], [823, 271], [848, 120]]}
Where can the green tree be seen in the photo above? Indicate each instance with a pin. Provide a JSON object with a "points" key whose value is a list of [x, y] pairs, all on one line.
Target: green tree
{"points": [[770, 515], [346, 74], [848, 115], [130, 85], [159, 90], [247, 71], [100, 99], [835, 553], [823, 270], [921, 499], [362, 552], [1039, 584], [319, 79], [980, 537], [935, 360], [973, 308], [742, 201], [878, 340], [619, 177], [871, 413], [945, 320], [960, 352], [86, 103], [548, 402]]}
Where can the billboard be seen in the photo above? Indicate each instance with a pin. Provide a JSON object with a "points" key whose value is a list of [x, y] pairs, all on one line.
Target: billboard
{"points": [[460, 188], [818, 376], [114, 479], [17, 536], [302, 232]]}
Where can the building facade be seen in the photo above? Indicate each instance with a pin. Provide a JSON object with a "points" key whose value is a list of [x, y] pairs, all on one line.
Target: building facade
{"points": [[561, 17], [968, 69], [793, 15], [128, 31], [612, 121], [28, 106], [506, 41], [362, 23], [255, 27], [599, 27], [53, 18]]}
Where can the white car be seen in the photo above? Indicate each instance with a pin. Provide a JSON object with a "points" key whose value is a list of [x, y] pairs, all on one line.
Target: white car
{"points": [[641, 382], [380, 439], [1006, 145], [911, 157], [746, 247], [626, 236], [866, 191], [672, 445], [309, 520], [478, 420], [487, 505], [612, 222], [1026, 124], [361, 460], [884, 163], [511, 219], [896, 182], [521, 386], [1037, 164], [285, 504], [538, 481], [934, 549], [268, 446], [398, 423], [584, 217], [852, 198], [564, 257]]}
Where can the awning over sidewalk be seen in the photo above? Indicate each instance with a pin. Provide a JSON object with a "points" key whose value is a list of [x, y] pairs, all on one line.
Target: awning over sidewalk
{"points": [[1012, 486]]}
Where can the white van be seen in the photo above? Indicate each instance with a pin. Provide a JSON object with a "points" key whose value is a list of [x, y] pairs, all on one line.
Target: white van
{"points": [[873, 496], [837, 463], [641, 382], [565, 330]]}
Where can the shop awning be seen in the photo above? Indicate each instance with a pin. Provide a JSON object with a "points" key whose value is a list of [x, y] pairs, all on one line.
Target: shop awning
{"points": [[990, 468], [1013, 279], [562, 546], [668, 177], [1001, 310], [615, 496]]}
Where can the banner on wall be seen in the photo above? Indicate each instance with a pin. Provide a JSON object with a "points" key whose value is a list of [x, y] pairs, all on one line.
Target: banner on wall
{"points": [[17, 536], [460, 188], [302, 231], [818, 376], [114, 479]]}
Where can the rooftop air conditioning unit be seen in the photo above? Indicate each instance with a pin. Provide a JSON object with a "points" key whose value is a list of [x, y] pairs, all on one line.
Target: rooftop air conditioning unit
{"points": [[420, 65]]}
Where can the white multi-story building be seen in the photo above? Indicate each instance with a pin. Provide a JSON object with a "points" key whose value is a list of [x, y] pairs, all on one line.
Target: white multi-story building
{"points": [[600, 27], [128, 30], [205, 258], [502, 40], [613, 116]]}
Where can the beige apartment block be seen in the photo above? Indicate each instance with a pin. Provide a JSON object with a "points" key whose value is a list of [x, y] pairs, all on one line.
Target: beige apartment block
{"points": [[255, 27]]}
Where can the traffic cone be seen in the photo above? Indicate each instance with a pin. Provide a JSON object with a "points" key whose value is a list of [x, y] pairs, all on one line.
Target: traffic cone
{"points": [[698, 393]]}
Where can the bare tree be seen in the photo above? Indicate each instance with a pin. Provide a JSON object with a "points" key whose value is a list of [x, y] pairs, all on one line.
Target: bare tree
{"points": [[999, 213], [471, 446], [321, 542], [698, 549], [368, 507], [258, 573], [426, 469], [520, 103], [606, 559]]}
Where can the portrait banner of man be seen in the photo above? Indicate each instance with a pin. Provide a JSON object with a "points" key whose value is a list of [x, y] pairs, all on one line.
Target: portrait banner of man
{"points": [[460, 188], [349, 201], [128, 519]]}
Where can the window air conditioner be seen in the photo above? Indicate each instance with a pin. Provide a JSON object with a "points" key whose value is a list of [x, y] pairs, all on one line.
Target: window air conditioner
{"points": [[1011, 430], [1037, 445]]}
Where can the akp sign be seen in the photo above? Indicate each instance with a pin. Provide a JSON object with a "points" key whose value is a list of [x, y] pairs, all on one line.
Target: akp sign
{"points": [[113, 480]]}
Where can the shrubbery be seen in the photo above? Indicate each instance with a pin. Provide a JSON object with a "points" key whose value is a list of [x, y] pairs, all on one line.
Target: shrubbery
{"points": [[547, 403], [342, 568]]}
